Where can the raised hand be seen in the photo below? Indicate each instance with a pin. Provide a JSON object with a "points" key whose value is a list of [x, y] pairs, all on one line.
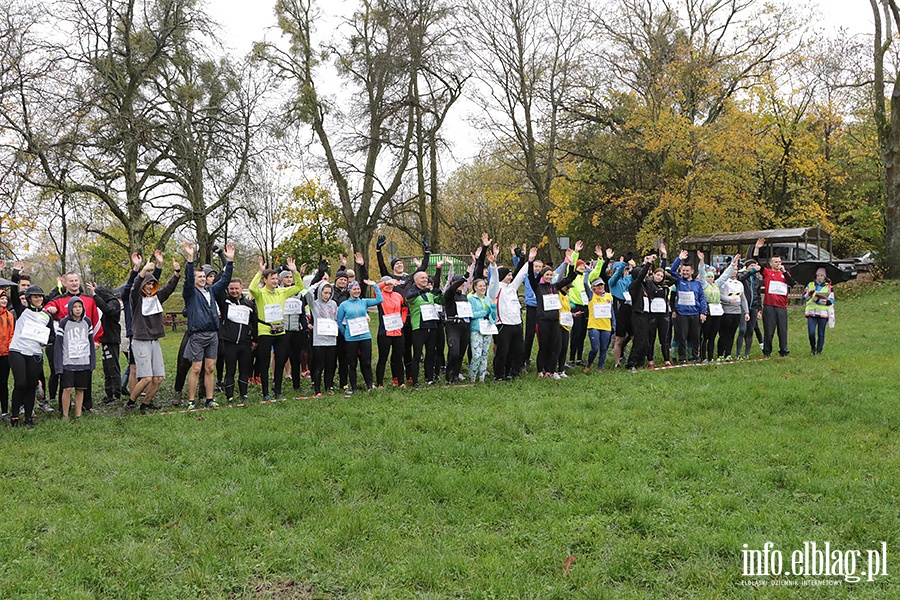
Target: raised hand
{"points": [[609, 254], [598, 250], [188, 251], [302, 269], [91, 286], [260, 264], [532, 254], [158, 256], [18, 265], [176, 266], [440, 264], [425, 245], [417, 262], [737, 259], [148, 268], [358, 257], [662, 250], [369, 282], [491, 258], [700, 255], [343, 260], [477, 252], [683, 254], [291, 265], [496, 250], [228, 253], [136, 261], [579, 245], [760, 242], [381, 242]]}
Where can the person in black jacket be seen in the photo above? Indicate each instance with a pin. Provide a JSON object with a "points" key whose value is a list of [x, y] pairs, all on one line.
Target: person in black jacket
{"points": [[641, 292], [237, 334], [456, 325], [111, 310], [548, 303]]}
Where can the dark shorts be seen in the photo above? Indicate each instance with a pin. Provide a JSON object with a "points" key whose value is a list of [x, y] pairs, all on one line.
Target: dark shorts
{"points": [[623, 319], [202, 345], [80, 380]]}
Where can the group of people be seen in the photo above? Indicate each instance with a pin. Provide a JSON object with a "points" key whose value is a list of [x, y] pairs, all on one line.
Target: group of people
{"points": [[424, 325]]}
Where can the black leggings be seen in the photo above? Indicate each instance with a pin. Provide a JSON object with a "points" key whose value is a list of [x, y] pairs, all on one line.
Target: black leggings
{"points": [[548, 345], [530, 329], [239, 356], [659, 328], [457, 342], [709, 331], [508, 351], [640, 346], [359, 351], [267, 343], [27, 371], [394, 346], [299, 344], [727, 330], [424, 342], [324, 362], [579, 332], [4, 384]]}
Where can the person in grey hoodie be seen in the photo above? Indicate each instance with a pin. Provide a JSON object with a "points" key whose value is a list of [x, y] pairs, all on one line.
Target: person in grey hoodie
{"points": [[325, 334], [74, 356], [147, 328]]}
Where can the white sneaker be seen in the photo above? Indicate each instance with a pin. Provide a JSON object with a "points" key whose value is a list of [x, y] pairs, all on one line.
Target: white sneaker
{"points": [[556, 376], [562, 375]]}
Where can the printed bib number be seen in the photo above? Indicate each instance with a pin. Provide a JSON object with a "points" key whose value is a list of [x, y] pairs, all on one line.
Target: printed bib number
{"points": [[463, 310], [627, 296], [566, 319], [79, 349], [293, 306], [658, 305], [326, 327], [239, 314], [778, 288], [36, 333], [584, 298], [429, 312], [393, 322], [150, 306], [486, 327], [273, 313], [551, 302], [716, 310], [358, 326], [646, 304], [686, 299], [603, 310]]}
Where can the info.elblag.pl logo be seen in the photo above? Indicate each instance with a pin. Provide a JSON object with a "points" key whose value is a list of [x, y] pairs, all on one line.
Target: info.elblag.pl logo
{"points": [[828, 565]]}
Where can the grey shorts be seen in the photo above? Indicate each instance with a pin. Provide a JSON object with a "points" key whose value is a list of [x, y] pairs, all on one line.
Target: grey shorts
{"points": [[148, 359], [201, 345]]}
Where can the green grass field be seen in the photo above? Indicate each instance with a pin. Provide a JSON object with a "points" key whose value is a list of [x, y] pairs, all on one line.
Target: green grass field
{"points": [[652, 481]]}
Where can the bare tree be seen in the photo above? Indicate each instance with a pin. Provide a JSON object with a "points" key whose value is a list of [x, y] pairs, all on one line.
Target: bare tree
{"points": [[367, 149], [527, 54], [887, 19]]}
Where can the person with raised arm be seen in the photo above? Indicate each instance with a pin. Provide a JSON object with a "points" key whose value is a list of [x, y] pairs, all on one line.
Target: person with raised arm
{"points": [[660, 309], [619, 283], [777, 282], [26, 355], [690, 308], [353, 321], [504, 290], [601, 317], [271, 336], [393, 315], [237, 336], [578, 301], [147, 328], [200, 304], [548, 306], [641, 292], [423, 304], [734, 308], [482, 323]]}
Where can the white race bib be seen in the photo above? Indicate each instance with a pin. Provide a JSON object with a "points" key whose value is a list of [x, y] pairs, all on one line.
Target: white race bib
{"points": [[36, 333], [603, 310], [273, 313], [429, 312], [646, 304], [584, 298], [627, 296], [486, 327], [293, 306], [463, 310], [358, 326], [551, 302], [150, 306], [686, 299], [326, 327], [716, 310], [393, 322], [239, 314], [79, 349], [566, 319], [778, 288], [658, 305]]}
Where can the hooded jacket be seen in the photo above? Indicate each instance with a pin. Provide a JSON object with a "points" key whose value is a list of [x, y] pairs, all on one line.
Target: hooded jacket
{"points": [[203, 314], [111, 311], [74, 347], [90, 311], [146, 323], [7, 325], [233, 331]]}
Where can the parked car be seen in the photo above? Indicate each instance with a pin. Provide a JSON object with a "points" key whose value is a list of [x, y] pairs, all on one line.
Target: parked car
{"points": [[792, 253]]}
